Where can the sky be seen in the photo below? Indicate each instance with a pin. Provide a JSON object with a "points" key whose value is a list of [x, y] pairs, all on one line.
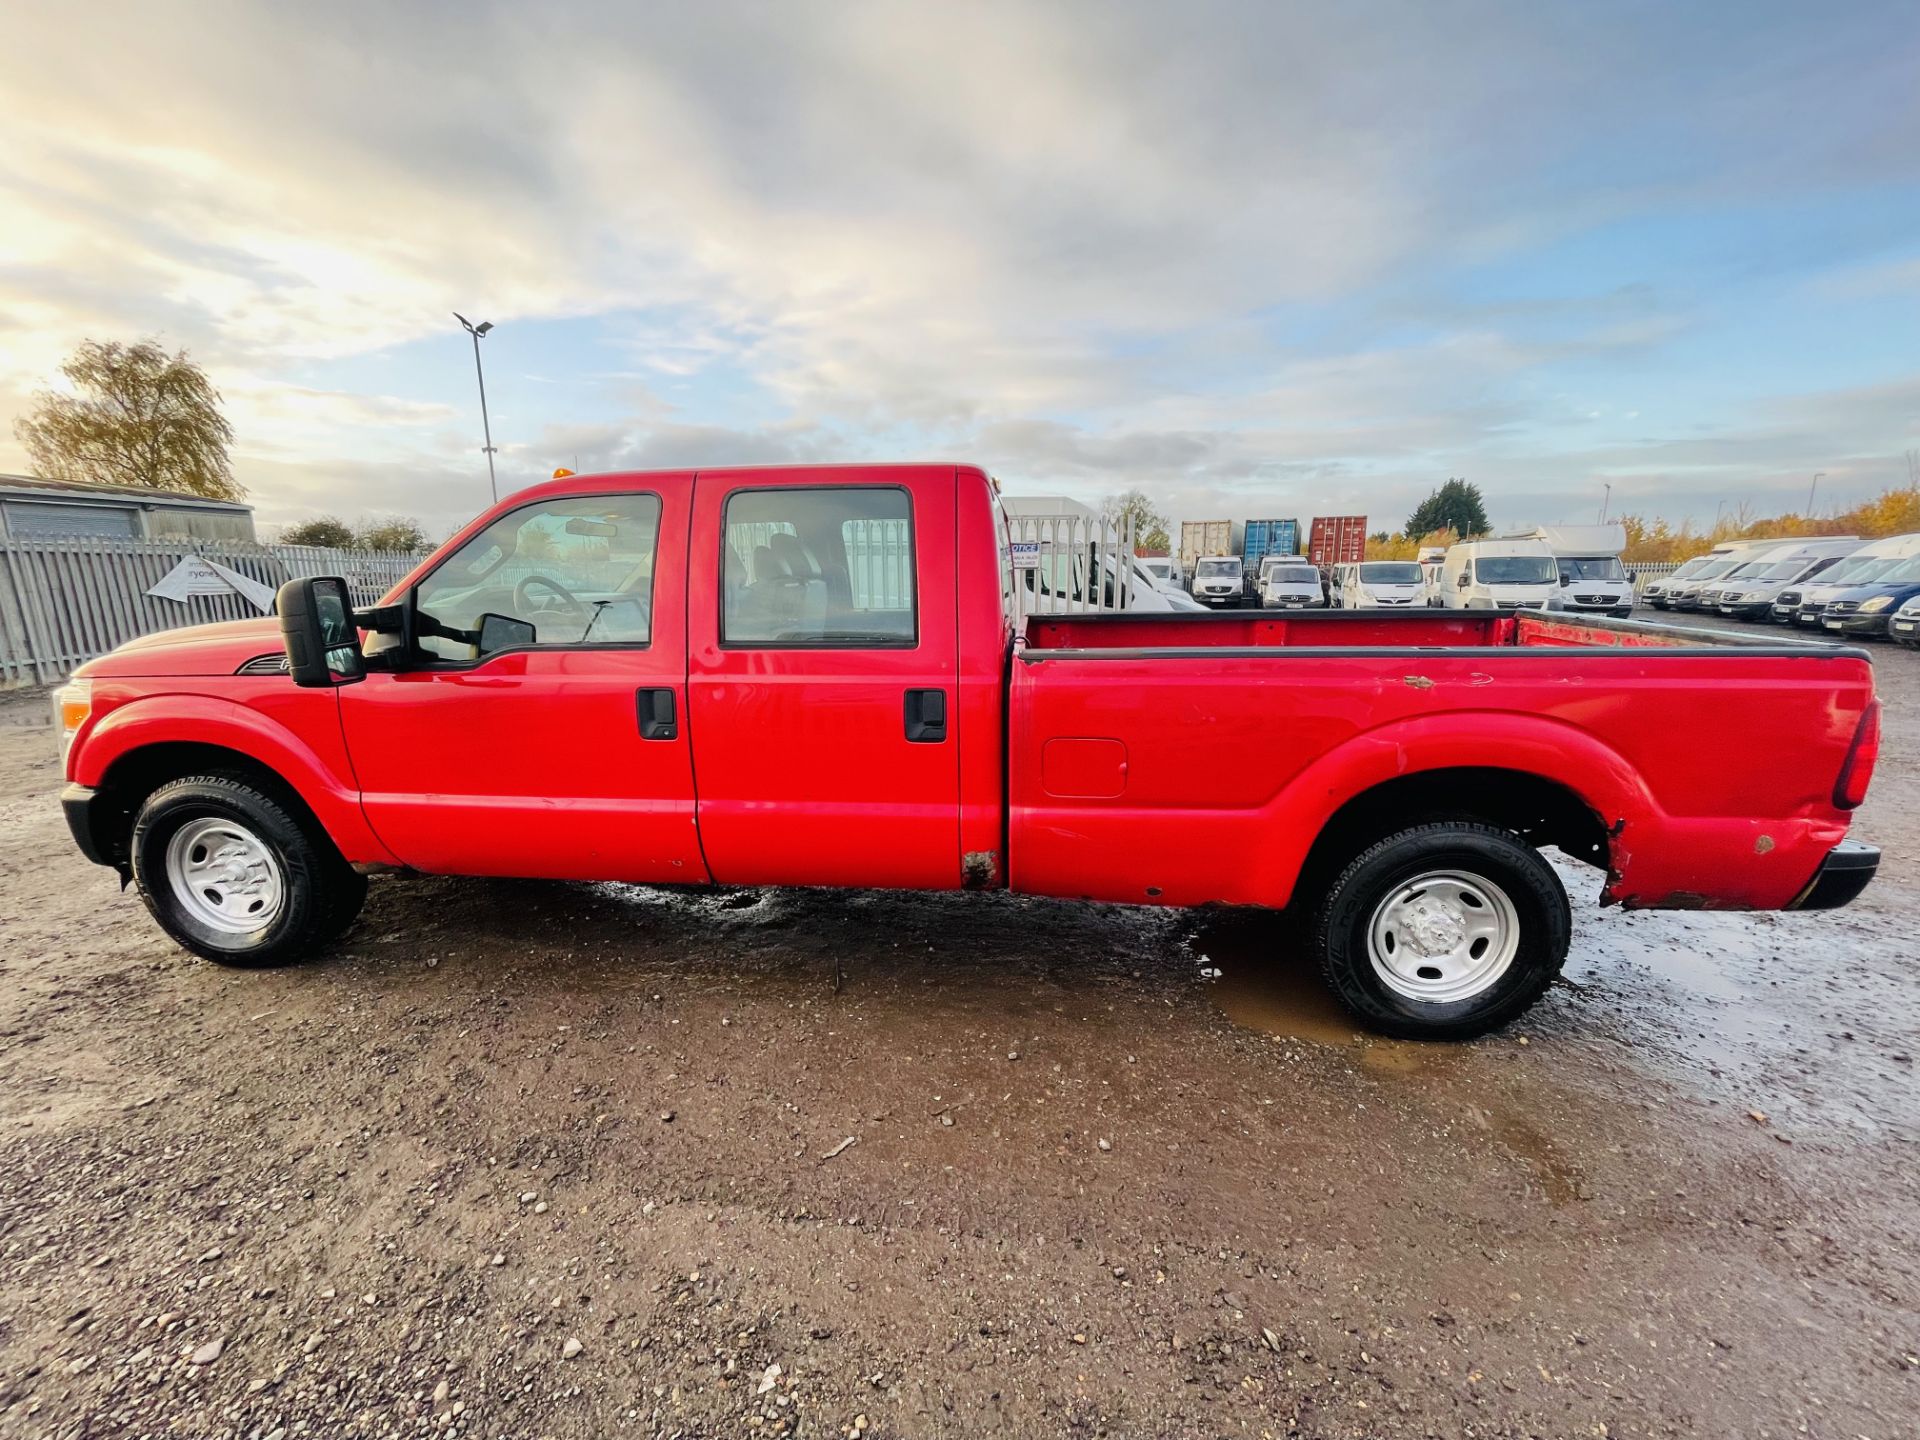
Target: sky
{"points": [[1254, 259]]}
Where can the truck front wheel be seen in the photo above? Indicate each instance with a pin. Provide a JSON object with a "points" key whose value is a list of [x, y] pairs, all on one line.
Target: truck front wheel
{"points": [[1443, 931], [234, 875]]}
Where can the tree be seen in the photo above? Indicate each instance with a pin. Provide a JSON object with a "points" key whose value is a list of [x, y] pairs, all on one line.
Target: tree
{"points": [[399, 533], [1455, 506], [1149, 525], [137, 416], [327, 530]]}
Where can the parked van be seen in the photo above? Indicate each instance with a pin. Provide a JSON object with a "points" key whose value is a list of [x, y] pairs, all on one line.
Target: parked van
{"points": [[1751, 596], [1865, 608], [1219, 580], [1592, 578], [1371, 584], [1657, 591], [1289, 582], [1165, 570], [1499, 575], [1727, 559], [1805, 604]]}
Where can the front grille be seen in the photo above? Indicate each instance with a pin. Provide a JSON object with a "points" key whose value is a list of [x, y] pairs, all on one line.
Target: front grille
{"points": [[1787, 599], [1843, 607], [264, 665], [1593, 599]]}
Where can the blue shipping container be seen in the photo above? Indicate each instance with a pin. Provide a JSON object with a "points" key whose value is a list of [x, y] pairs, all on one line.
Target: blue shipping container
{"points": [[1269, 537]]}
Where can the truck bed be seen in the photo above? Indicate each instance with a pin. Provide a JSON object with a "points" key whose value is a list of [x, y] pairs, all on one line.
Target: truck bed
{"points": [[1185, 759]]}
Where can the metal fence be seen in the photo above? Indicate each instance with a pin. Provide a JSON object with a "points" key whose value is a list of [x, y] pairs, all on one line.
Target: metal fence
{"points": [[1070, 564], [1645, 575], [64, 601]]}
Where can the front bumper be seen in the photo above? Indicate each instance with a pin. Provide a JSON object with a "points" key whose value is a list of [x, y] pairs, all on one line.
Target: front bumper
{"points": [[93, 821], [1747, 609], [1845, 872], [1856, 623]]}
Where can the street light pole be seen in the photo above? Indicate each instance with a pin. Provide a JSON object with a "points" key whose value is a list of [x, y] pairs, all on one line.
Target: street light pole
{"points": [[1810, 489], [486, 429], [1606, 500]]}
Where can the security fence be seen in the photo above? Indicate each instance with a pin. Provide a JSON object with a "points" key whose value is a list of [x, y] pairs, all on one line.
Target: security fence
{"points": [[64, 601]]}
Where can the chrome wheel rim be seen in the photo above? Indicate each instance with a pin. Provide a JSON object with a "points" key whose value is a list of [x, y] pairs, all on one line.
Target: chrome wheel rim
{"points": [[1443, 937], [224, 876]]}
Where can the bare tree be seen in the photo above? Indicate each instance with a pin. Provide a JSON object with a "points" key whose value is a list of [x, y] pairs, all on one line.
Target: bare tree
{"points": [[137, 416], [1149, 525]]}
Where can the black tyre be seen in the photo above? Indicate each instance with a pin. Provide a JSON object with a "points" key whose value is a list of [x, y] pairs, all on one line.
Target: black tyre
{"points": [[237, 876], [1443, 931]]}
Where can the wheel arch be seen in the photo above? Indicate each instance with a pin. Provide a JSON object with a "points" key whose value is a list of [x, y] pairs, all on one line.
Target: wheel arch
{"points": [[1549, 781]]}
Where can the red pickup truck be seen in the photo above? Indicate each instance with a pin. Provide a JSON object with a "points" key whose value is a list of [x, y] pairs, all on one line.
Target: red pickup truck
{"points": [[817, 676]]}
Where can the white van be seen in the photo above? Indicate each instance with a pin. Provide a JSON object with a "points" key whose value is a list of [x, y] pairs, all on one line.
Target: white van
{"points": [[1592, 578], [1803, 604], [1371, 584], [1735, 557], [1219, 580], [1499, 575], [1290, 582], [1749, 592], [1165, 570]]}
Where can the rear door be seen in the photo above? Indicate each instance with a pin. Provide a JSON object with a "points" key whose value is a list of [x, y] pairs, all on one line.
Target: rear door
{"points": [[560, 750], [821, 670]]}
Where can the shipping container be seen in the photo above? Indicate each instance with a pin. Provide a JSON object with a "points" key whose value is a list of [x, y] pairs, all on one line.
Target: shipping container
{"points": [[1338, 540], [1207, 537], [1269, 537]]}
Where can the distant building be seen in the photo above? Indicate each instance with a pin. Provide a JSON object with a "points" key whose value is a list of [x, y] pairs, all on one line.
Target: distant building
{"points": [[32, 509]]}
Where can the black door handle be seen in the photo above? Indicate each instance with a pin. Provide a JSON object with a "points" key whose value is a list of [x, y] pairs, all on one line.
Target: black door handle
{"points": [[656, 714], [926, 716]]}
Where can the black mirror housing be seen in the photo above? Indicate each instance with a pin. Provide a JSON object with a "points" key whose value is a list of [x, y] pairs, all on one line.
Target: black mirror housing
{"points": [[318, 628], [503, 632]]}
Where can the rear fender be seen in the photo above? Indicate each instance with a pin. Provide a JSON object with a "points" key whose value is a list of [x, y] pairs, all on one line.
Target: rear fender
{"points": [[1533, 745]]}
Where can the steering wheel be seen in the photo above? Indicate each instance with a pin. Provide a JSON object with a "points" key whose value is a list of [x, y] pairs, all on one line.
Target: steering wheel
{"points": [[569, 605]]}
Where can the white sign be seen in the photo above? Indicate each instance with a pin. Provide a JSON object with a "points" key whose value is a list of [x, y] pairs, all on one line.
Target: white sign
{"points": [[197, 575], [1026, 554]]}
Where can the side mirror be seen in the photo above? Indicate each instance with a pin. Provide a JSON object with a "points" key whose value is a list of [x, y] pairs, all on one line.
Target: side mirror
{"points": [[318, 629], [1633, 576], [503, 632], [1462, 581]]}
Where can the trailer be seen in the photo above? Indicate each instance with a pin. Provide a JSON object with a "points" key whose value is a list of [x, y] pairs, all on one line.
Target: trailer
{"points": [[1201, 538], [1268, 537]]}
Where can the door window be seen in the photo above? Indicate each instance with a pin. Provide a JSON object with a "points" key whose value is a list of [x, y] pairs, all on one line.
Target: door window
{"points": [[811, 568], [572, 570]]}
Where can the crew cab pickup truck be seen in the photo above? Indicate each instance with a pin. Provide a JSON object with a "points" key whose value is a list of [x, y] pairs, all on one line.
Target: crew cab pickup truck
{"points": [[817, 676]]}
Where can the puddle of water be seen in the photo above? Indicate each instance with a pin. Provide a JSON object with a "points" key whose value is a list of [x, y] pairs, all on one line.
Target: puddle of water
{"points": [[1258, 984]]}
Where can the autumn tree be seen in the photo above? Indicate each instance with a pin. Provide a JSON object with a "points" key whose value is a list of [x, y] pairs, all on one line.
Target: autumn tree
{"points": [[397, 533], [1456, 506], [135, 416], [1149, 525], [327, 530]]}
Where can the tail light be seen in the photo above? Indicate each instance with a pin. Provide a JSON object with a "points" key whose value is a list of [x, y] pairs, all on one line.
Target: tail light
{"points": [[1856, 773]]}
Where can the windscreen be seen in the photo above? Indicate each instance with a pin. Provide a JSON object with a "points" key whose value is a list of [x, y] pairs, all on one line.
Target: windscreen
{"points": [[1214, 569], [1390, 572], [1781, 569], [1592, 567], [1877, 568], [1716, 569], [1515, 569], [1846, 569], [1907, 572], [1690, 569], [1293, 575]]}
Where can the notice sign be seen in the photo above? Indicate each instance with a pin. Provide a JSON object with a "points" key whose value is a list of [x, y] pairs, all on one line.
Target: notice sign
{"points": [[1026, 554], [197, 575]]}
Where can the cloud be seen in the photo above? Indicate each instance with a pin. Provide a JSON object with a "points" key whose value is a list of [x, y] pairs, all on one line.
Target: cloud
{"points": [[1247, 255]]}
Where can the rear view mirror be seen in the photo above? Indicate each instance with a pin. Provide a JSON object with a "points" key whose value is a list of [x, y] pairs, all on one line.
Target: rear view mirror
{"points": [[503, 632], [318, 629]]}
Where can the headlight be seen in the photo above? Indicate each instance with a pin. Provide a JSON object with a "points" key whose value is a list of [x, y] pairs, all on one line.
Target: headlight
{"points": [[1876, 604], [72, 703]]}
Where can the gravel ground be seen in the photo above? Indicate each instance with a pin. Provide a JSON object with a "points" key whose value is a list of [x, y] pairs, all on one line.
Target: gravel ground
{"points": [[538, 1159]]}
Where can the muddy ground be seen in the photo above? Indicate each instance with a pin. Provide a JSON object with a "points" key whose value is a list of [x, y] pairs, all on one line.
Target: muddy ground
{"points": [[1108, 1173]]}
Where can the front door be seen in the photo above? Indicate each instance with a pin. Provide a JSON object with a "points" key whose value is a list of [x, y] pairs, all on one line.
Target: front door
{"points": [[822, 661], [556, 746]]}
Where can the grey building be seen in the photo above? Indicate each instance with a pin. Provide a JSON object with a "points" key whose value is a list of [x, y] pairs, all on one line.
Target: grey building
{"points": [[32, 509]]}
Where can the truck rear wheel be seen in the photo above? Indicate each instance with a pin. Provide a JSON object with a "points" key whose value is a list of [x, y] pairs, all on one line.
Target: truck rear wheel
{"points": [[235, 876], [1443, 931]]}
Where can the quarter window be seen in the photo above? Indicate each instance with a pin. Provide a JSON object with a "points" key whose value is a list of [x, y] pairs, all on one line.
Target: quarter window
{"points": [[572, 570], [819, 567]]}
